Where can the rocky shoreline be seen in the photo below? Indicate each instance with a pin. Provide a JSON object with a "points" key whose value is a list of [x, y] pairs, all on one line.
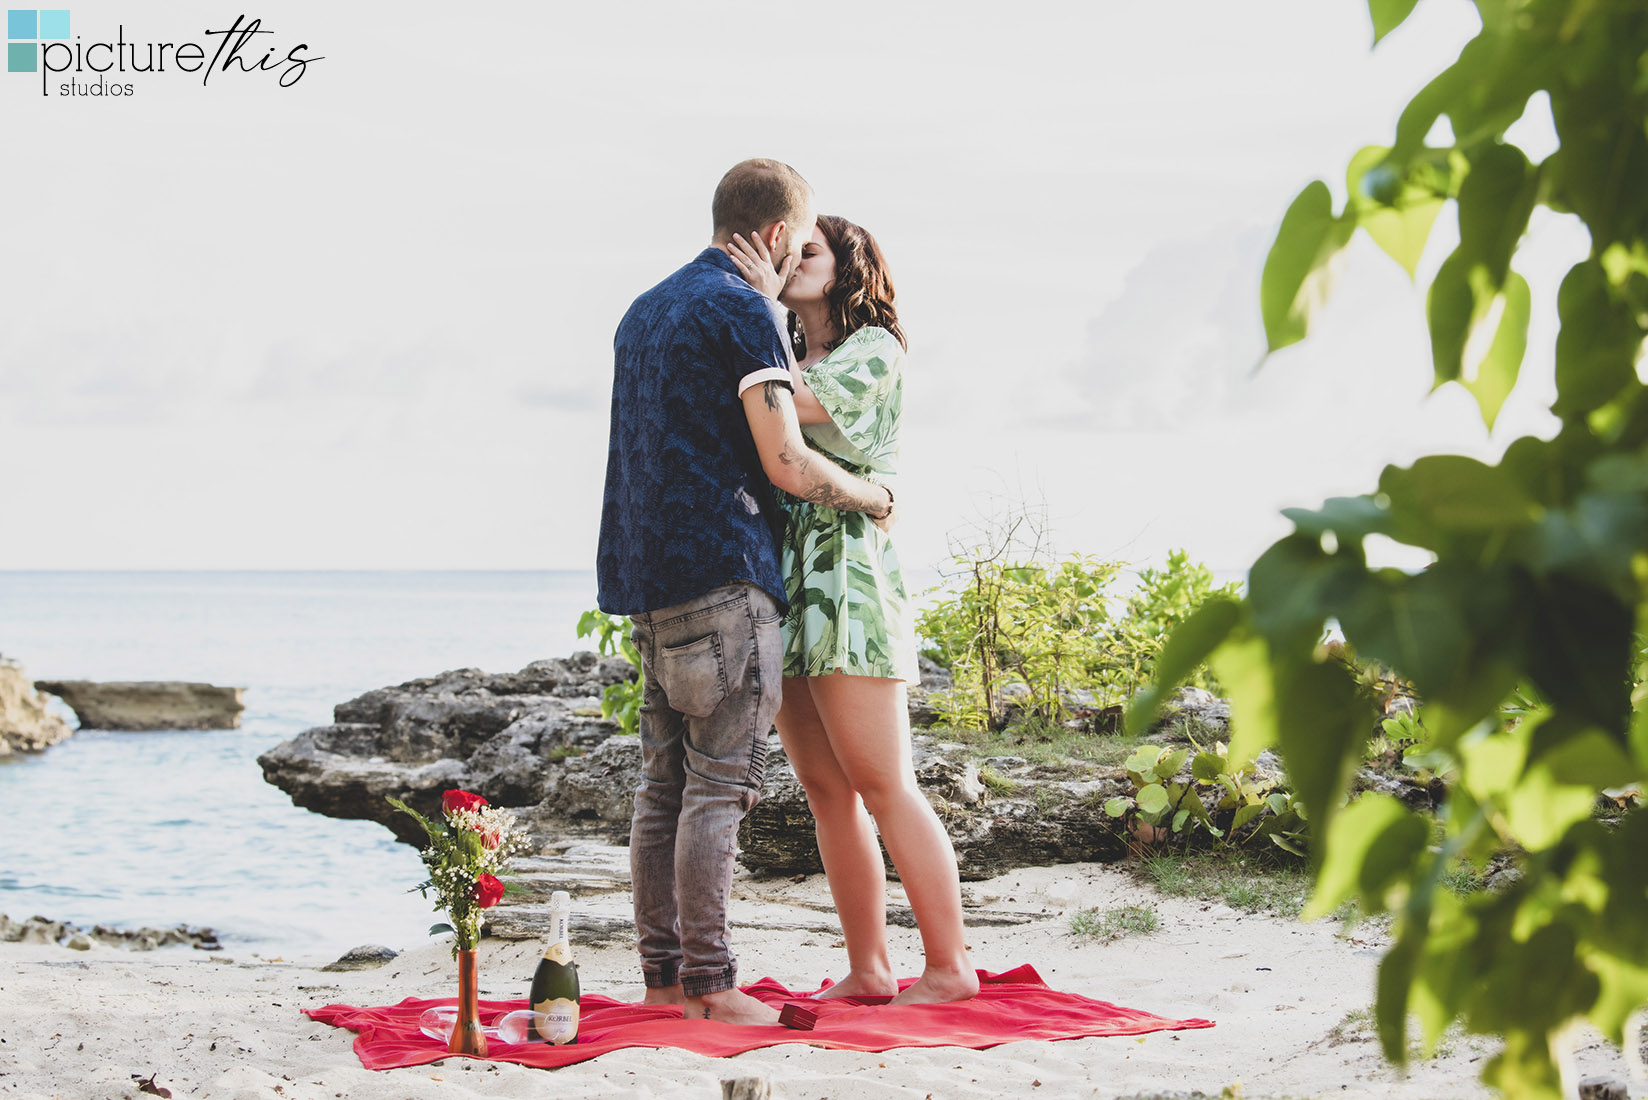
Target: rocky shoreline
{"points": [[512, 737], [534, 741], [27, 725], [78, 938]]}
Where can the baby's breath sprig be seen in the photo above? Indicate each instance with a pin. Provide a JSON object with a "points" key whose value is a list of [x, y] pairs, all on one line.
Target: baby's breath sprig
{"points": [[465, 853]]}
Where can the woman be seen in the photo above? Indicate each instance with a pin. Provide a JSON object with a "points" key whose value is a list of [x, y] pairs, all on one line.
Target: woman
{"points": [[848, 636]]}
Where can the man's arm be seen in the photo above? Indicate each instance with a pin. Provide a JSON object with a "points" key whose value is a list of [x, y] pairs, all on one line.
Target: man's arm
{"points": [[796, 469]]}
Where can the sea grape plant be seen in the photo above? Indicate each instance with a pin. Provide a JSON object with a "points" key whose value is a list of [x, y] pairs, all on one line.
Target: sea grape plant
{"points": [[1210, 801], [621, 701], [1520, 637]]}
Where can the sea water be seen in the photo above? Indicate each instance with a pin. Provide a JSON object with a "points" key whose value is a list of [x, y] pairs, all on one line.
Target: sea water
{"points": [[162, 828]]}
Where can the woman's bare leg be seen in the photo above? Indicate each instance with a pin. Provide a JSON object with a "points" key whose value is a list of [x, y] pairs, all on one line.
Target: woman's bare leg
{"points": [[867, 720], [846, 842]]}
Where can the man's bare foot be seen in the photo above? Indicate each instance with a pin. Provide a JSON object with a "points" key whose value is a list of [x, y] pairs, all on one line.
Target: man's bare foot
{"points": [[731, 1006], [869, 984], [665, 995], [941, 986]]}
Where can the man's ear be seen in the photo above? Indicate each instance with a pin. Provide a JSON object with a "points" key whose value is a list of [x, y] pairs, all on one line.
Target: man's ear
{"points": [[774, 231]]}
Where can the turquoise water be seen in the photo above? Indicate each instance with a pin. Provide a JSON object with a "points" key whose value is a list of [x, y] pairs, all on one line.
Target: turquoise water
{"points": [[133, 829]]}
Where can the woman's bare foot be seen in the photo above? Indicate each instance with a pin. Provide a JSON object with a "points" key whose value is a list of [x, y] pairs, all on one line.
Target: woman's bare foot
{"points": [[664, 995], [941, 986], [731, 1006], [879, 983]]}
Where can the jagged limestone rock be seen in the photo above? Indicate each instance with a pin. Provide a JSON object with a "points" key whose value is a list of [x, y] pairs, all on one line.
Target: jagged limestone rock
{"points": [[530, 740], [25, 723], [504, 736]]}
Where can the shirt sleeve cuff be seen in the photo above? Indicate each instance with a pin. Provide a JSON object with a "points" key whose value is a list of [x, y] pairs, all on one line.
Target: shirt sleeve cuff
{"points": [[765, 374]]}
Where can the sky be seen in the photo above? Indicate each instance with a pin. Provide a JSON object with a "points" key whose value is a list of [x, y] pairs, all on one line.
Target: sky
{"points": [[365, 321]]}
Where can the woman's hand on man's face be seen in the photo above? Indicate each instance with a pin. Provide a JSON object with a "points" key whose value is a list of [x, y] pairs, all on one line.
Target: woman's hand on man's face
{"points": [[754, 262]]}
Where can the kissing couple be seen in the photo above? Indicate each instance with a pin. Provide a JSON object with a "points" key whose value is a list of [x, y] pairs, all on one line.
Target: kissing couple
{"points": [[756, 400]]}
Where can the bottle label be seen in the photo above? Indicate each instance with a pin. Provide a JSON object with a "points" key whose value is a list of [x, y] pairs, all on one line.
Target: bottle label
{"points": [[559, 952], [559, 1023]]}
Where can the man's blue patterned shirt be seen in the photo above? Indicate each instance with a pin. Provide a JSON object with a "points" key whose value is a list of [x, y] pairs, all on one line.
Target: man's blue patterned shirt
{"points": [[687, 506]]}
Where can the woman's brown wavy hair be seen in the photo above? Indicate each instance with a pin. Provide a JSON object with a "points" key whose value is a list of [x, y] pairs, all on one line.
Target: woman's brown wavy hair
{"points": [[862, 293]]}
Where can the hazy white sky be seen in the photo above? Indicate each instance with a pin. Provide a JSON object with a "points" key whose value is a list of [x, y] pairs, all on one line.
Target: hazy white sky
{"points": [[366, 321]]}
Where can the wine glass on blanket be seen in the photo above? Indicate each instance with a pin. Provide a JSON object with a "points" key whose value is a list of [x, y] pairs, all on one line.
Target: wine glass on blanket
{"points": [[513, 1027]]}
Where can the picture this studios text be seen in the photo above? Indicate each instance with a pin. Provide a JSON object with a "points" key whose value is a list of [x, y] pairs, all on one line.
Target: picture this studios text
{"points": [[236, 49]]}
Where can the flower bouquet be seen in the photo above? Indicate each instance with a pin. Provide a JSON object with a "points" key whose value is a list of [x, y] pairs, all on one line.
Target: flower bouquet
{"points": [[464, 855]]}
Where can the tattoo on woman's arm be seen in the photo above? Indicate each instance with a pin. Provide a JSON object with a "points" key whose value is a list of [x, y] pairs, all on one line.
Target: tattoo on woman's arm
{"points": [[770, 391]]}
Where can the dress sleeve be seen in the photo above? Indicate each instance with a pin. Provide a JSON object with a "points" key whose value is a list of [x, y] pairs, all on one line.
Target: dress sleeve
{"points": [[861, 386]]}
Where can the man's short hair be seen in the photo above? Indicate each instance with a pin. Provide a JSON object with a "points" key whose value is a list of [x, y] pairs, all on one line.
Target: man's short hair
{"points": [[756, 193]]}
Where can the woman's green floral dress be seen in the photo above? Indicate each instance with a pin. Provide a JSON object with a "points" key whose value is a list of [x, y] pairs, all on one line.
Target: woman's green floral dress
{"points": [[848, 608]]}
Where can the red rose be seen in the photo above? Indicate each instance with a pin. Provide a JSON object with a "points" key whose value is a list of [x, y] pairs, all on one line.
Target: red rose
{"points": [[490, 837], [453, 801], [488, 891]]}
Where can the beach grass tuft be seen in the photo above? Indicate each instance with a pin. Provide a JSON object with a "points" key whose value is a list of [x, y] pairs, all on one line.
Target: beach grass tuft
{"points": [[1108, 925], [1045, 744], [1359, 1025], [1252, 885]]}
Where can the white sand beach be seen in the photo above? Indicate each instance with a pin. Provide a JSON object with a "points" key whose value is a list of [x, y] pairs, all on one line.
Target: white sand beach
{"points": [[94, 1024]]}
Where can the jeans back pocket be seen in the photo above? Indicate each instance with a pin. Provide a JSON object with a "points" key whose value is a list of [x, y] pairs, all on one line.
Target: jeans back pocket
{"points": [[694, 675]]}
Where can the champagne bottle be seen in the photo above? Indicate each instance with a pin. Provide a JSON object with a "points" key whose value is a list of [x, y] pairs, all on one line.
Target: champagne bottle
{"points": [[555, 984]]}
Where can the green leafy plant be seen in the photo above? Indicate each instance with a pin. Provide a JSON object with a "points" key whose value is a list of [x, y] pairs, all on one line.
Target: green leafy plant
{"points": [[1400, 740], [1050, 629], [1230, 806], [620, 701], [1163, 599], [1029, 624], [1520, 636]]}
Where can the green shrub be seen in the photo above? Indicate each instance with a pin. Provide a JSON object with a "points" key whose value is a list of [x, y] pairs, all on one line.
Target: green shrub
{"points": [[1163, 599], [1053, 629], [620, 701]]}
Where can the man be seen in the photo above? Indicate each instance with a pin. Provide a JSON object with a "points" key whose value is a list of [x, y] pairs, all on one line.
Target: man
{"points": [[703, 426]]}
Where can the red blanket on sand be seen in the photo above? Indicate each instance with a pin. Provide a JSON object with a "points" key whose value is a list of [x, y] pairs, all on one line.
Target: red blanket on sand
{"points": [[1011, 1006]]}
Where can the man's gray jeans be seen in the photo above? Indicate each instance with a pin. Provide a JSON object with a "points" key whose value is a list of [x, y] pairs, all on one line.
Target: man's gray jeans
{"points": [[712, 681]]}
